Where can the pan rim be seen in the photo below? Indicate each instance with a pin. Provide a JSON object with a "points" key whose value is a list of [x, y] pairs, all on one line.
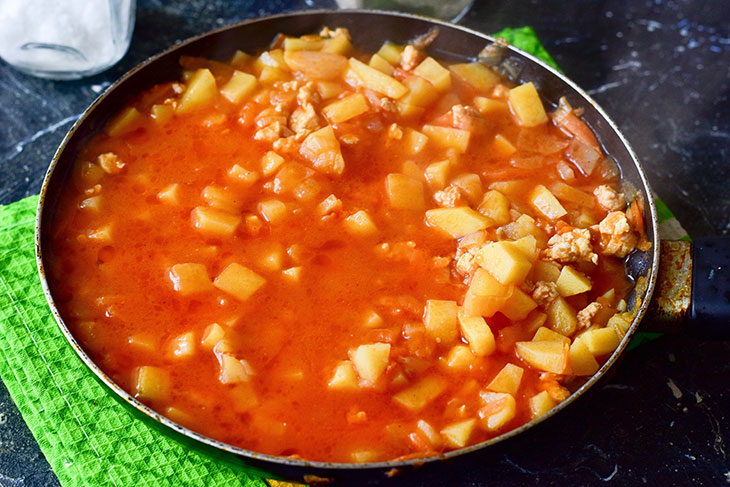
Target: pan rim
{"points": [[322, 465]]}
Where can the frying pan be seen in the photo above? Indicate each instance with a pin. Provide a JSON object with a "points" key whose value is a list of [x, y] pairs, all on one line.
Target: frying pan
{"points": [[706, 299]]}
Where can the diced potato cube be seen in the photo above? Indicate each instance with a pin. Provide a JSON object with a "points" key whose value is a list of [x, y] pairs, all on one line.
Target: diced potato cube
{"points": [[360, 224], [437, 173], [329, 89], [270, 163], [151, 384], [190, 278], [478, 334], [569, 193], [495, 206], [316, 64], [92, 203], [489, 106], [344, 377], [370, 361], [458, 221], [273, 211], [535, 320], [161, 113], [434, 73], [271, 74], [470, 185], [404, 192], [240, 58], [547, 271], [200, 92], [273, 58], [546, 203], [484, 284], [601, 341], [582, 361], [420, 96], [448, 137], [504, 262], [214, 222], [338, 44], [272, 258], [619, 323], [540, 404], [572, 282], [507, 380], [562, 317], [307, 190], [170, 194], [527, 106], [364, 456], [460, 358], [413, 170], [390, 52], [547, 356], [415, 141], [242, 175], [377, 81], [476, 74], [322, 149], [182, 346], [457, 434], [440, 320], [240, 86], [502, 147], [233, 370], [239, 281], [518, 305], [346, 108], [211, 336], [143, 341], [302, 44], [544, 334], [372, 320], [289, 176], [243, 397], [221, 199], [421, 393], [378, 62], [293, 274], [329, 205], [498, 410], [527, 245], [127, 121], [476, 305]]}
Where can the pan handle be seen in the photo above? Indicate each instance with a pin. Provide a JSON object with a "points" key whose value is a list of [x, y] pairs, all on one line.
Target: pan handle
{"points": [[693, 288]]}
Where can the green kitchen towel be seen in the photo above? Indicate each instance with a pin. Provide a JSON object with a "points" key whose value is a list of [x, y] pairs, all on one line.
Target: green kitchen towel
{"points": [[87, 436]]}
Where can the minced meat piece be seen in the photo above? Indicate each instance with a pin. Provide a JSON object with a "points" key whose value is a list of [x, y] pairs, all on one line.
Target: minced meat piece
{"points": [[617, 238], [545, 293], [571, 246], [587, 314], [609, 198]]}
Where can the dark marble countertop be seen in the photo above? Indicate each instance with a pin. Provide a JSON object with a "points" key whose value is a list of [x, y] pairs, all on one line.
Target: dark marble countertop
{"points": [[661, 70]]}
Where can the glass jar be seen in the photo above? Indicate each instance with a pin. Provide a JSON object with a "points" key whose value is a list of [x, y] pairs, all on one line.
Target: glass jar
{"points": [[65, 39]]}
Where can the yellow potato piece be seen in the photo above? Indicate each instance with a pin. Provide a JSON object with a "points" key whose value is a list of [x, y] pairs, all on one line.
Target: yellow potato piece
{"points": [[526, 105], [421, 393], [200, 92], [404, 192], [547, 356], [370, 361], [507, 380], [458, 221], [239, 281]]}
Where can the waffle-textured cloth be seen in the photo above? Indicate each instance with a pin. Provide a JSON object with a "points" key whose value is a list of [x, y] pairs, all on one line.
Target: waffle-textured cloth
{"points": [[88, 437]]}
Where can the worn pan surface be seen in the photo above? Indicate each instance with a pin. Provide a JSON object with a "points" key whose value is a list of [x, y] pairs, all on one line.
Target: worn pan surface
{"points": [[369, 29]]}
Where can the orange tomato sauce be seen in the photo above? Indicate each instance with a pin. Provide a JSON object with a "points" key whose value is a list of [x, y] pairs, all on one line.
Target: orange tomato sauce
{"points": [[115, 291]]}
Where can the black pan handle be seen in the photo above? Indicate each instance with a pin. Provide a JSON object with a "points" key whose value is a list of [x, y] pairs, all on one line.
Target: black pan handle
{"points": [[692, 293], [709, 313]]}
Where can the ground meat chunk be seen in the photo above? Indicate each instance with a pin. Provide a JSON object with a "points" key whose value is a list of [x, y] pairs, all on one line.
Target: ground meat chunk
{"points": [[448, 197], [571, 246], [272, 132], [328, 33], [410, 57], [609, 198], [617, 238], [304, 118], [308, 94], [545, 293], [110, 163], [466, 117], [587, 314]]}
